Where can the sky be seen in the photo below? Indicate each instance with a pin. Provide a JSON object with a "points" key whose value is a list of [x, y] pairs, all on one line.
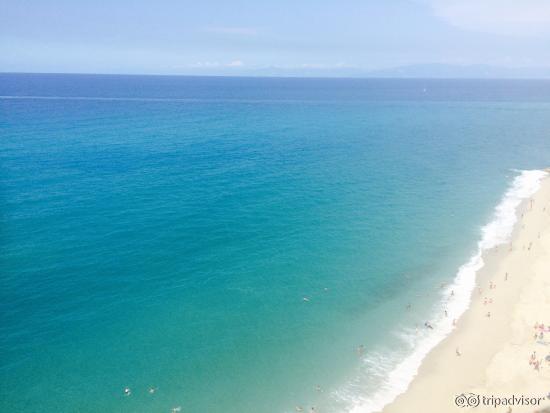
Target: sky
{"points": [[255, 37]]}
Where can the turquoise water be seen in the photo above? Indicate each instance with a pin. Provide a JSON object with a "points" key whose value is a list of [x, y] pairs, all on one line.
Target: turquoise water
{"points": [[163, 232]]}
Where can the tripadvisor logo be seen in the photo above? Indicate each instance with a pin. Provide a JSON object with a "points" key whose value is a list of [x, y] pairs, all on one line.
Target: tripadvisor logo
{"points": [[474, 400]]}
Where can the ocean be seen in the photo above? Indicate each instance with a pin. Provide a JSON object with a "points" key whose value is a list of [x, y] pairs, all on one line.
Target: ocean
{"points": [[246, 245]]}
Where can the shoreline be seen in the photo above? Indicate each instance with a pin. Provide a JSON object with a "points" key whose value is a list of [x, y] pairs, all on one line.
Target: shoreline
{"points": [[488, 351]]}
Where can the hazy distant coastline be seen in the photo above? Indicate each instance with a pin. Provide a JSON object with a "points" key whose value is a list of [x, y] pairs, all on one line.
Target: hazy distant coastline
{"points": [[429, 70], [418, 71]]}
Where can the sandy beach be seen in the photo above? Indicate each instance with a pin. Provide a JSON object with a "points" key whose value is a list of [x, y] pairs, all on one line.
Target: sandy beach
{"points": [[497, 351]]}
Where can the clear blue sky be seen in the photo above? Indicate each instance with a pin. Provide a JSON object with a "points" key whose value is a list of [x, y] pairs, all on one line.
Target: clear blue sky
{"points": [[249, 36]]}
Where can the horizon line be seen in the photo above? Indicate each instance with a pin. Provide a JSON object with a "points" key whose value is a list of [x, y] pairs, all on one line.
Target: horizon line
{"points": [[365, 77]]}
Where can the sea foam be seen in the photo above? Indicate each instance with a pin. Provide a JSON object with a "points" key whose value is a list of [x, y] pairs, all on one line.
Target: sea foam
{"points": [[455, 299]]}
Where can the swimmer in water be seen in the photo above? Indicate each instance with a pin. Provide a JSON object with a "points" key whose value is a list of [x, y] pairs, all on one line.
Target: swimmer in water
{"points": [[127, 391]]}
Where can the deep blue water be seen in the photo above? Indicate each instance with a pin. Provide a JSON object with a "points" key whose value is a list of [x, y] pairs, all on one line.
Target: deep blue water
{"points": [[163, 231]]}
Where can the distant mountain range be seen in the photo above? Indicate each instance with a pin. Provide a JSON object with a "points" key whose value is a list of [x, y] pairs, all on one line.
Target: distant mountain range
{"points": [[411, 71], [428, 71], [467, 71]]}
